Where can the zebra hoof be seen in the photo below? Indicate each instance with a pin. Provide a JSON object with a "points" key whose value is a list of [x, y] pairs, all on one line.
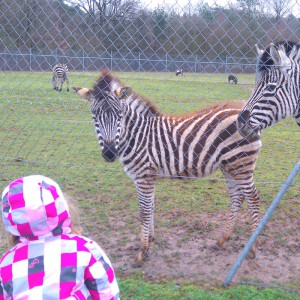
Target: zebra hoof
{"points": [[216, 247], [221, 241], [140, 259], [251, 254], [219, 244]]}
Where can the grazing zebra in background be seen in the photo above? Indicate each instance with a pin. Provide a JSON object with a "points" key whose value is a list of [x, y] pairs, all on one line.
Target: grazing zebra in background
{"points": [[276, 94], [60, 74], [232, 79], [179, 72], [152, 145]]}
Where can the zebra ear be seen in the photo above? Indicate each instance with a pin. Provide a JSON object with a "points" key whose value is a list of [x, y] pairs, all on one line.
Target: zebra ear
{"points": [[83, 93], [123, 92], [279, 57], [259, 51]]}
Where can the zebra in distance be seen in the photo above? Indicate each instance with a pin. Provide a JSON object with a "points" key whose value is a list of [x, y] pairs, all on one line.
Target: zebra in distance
{"points": [[152, 145], [276, 93], [179, 72], [232, 79], [60, 75]]}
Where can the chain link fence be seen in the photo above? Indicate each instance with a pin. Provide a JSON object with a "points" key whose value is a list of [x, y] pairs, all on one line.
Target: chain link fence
{"points": [[144, 43]]}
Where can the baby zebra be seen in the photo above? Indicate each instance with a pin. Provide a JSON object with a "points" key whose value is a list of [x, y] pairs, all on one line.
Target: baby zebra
{"points": [[232, 79], [152, 145], [60, 74]]}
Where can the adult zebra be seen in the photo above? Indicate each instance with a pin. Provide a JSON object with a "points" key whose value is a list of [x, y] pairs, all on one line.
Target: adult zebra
{"points": [[152, 145], [60, 74], [277, 91]]}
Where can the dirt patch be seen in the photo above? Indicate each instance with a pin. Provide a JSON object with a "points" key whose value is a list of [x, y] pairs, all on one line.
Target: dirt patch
{"points": [[185, 253]]}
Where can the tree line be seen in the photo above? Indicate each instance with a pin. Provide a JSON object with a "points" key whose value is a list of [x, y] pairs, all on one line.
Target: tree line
{"points": [[90, 26]]}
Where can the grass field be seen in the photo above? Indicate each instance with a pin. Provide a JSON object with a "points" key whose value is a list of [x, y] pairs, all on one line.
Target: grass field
{"points": [[44, 131]]}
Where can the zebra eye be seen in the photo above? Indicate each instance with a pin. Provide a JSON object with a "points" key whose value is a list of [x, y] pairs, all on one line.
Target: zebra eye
{"points": [[270, 89]]}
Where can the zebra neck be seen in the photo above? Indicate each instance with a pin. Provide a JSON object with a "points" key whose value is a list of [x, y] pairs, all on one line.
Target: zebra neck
{"points": [[297, 110], [140, 107], [297, 113]]}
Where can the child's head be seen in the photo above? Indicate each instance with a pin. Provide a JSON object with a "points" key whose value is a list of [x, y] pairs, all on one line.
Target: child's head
{"points": [[34, 207]]}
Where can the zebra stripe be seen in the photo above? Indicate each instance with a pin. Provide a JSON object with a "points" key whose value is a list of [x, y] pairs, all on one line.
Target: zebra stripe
{"points": [[277, 91], [152, 145], [60, 74]]}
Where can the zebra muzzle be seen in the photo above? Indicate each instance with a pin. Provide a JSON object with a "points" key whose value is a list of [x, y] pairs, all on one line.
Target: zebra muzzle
{"points": [[109, 152]]}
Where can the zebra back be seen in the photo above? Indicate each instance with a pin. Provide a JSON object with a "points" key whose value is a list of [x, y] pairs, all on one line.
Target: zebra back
{"points": [[60, 71], [60, 74]]}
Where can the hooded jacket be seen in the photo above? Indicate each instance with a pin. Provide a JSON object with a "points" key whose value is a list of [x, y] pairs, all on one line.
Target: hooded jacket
{"points": [[49, 262]]}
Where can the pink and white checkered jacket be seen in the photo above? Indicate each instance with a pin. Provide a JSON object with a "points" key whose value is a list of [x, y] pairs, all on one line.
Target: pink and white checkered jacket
{"points": [[49, 262]]}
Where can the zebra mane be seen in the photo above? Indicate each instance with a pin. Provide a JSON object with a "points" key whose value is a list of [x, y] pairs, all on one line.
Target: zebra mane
{"points": [[211, 109], [108, 82], [266, 62]]}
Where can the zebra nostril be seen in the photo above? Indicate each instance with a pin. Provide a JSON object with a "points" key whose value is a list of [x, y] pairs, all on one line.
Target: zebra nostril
{"points": [[109, 153]]}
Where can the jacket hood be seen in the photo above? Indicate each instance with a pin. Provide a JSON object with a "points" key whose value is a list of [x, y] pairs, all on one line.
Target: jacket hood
{"points": [[34, 207]]}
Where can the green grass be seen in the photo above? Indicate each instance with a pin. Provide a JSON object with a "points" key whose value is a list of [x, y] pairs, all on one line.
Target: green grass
{"points": [[138, 290], [44, 131]]}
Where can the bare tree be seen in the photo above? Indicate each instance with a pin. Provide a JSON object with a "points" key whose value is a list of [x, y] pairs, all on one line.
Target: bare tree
{"points": [[280, 8], [107, 9], [250, 7]]}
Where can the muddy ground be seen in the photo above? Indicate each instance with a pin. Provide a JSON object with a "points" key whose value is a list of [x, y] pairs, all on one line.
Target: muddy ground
{"points": [[186, 253]]}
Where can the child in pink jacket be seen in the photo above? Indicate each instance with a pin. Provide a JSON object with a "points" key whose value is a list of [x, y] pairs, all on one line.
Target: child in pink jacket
{"points": [[49, 261]]}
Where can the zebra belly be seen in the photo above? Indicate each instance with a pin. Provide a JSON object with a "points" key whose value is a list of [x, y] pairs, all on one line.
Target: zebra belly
{"points": [[171, 166]]}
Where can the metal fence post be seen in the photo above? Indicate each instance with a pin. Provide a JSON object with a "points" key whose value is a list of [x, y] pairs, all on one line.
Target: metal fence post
{"points": [[262, 224]]}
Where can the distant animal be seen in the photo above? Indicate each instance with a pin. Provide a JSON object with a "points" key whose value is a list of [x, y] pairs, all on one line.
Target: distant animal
{"points": [[60, 74], [232, 79], [152, 146], [276, 94], [179, 72]]}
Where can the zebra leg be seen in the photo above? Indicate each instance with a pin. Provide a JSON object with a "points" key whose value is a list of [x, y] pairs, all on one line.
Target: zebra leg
{"points": [[253, 201], [151, 238], [239, 189], [54, 83], [67, 81], [145, 188], [60, 85], [235, 205]]}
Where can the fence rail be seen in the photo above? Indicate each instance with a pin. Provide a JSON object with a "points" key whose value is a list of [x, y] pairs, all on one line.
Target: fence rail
{"points": [[134, 62]]}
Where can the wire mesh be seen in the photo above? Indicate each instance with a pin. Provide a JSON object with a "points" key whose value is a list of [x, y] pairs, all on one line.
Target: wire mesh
{"points": [[145, 43]]}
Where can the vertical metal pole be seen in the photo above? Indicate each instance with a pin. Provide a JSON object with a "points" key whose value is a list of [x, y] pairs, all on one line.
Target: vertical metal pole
{"points": [[30, 66], [83, 61], [111, 60], [256, 68], [139, 70], [263, 222], [166, 62]]}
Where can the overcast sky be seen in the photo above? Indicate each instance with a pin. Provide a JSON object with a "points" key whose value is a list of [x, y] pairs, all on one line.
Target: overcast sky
{"points": [[182, 3], [179, 5]]}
